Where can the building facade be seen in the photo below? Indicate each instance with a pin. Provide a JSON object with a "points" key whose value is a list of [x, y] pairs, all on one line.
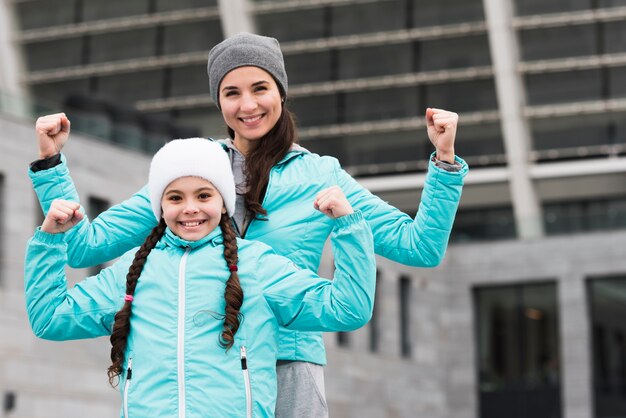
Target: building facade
{"points": [[520, 320]]}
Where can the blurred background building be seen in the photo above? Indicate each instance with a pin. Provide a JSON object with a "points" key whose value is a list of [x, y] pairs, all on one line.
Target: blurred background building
{"points": [[525, 316]]}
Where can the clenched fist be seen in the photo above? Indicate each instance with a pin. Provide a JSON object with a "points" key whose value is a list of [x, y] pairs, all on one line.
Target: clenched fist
{"points": [[333, 203], [441, 126], [62, 216], [52, 133]]}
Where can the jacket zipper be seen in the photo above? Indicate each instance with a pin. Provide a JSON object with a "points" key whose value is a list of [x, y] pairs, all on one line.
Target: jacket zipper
{"points": [[246, 381], [181, 334], [129, 376]]}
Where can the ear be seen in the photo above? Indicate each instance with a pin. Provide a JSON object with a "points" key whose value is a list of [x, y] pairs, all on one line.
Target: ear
{"points": [[223, 210]]}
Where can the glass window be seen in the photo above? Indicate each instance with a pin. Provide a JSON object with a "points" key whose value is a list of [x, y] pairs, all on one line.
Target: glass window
{"points": [[375, 61], [405, 316], [615, 36], [617, 82], [483, 224], [56, 92], [371, 105], [169, 5], [314, 110], [463, 96], [293, 25], [403, 151], [551, 43], [378, 16], [599, 214], [518, 351], [607, 297], [444, 12], [578, 131], [483, 140], [95, 206], [54, 54], [374, 327], [98, 10], [115, 46], [189, 80], [41, 14], [448, 53], [191, 36], [536, 7], [309, 67], [565, 87], [133, 86]]}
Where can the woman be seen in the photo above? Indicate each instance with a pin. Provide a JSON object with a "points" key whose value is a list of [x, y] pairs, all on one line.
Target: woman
{"points": [[279, 187]]}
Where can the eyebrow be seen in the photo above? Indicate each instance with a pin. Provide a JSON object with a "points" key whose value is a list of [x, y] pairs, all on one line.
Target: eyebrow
{"points": [[253, 85], [201, 189]]}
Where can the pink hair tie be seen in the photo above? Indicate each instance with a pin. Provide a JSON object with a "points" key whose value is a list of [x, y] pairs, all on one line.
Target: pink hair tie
{"points": [[129, 298], [232, 267]]}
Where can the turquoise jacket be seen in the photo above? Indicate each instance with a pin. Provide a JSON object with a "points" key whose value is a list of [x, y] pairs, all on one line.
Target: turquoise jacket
{"points": [[174, 364], [293, 228]]}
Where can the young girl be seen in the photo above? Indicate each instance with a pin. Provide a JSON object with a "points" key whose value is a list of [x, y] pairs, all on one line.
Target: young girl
{"points": [[193, 314], [278, 184]]}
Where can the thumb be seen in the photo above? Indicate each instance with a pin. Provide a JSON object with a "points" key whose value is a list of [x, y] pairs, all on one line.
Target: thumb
{"points": [[65, 124], [78, 216], [430, 123]]}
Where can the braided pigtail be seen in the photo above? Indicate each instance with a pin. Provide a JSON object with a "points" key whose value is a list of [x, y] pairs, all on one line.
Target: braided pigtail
{"points": [[121, 327], [233, 293]]}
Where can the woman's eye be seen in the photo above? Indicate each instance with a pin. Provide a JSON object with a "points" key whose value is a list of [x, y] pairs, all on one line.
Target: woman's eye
{"points": [[230, 93], [204, 196], [174, 198]]}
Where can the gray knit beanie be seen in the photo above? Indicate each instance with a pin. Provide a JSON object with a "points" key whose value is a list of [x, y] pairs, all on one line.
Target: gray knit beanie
{"points": [[245, 49]]}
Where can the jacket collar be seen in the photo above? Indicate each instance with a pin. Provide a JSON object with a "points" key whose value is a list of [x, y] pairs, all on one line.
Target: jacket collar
{"points": [[170, 239], [295, 150]]}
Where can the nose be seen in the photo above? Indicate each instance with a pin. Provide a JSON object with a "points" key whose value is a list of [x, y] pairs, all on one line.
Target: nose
{"points": [[248, 103], [191, 208]]}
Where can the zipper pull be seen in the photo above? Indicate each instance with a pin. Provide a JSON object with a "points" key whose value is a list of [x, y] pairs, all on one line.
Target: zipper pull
{"points": [[129, 370], [244, 358]]}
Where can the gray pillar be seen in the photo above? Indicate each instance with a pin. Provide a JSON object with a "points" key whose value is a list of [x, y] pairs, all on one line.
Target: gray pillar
{"points": [[10, 54], [236, 17], [512, 100], [574, 324]]}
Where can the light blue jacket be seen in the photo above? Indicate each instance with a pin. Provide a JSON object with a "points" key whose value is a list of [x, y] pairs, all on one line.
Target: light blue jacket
{"points": [[178, 367], [294, 228]]}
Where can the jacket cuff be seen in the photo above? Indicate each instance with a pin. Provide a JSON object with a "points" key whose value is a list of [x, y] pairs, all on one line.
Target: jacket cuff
{"points": [[348, 220], [47, 238], [46, 163], [459, 167]]}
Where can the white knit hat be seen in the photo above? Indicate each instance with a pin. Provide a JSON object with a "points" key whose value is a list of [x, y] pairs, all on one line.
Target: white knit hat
{"points": [[197, 157]]}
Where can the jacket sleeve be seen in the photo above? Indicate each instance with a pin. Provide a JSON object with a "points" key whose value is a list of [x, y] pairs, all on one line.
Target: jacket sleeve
{"points": [[419, 242], [87, 310], [108, 236], [303, 301]]}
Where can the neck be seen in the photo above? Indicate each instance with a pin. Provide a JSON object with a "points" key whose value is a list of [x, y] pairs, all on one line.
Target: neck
{"points": [[244, 146]]}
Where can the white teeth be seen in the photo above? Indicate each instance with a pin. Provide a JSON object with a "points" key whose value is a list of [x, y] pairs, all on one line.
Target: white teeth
{"points": [[191, 224], [252, 119]]}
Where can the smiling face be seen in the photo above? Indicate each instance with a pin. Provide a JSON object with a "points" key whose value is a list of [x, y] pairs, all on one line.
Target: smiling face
{"points": [[192, 207], [251, 104]]}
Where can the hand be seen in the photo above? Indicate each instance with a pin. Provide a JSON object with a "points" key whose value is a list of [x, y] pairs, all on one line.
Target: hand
{"points": [[333, 203], [52, 133], [441, 126], [62, 216]]}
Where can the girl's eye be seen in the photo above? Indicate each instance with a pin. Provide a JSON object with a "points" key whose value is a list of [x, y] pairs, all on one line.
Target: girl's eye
{"points": [[204, 196], [174, 198], [260, 88], [230, 93]]}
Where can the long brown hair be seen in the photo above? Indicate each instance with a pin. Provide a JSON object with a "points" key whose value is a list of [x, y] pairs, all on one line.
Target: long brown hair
{"points": [[272, 147], [233, 295]]}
